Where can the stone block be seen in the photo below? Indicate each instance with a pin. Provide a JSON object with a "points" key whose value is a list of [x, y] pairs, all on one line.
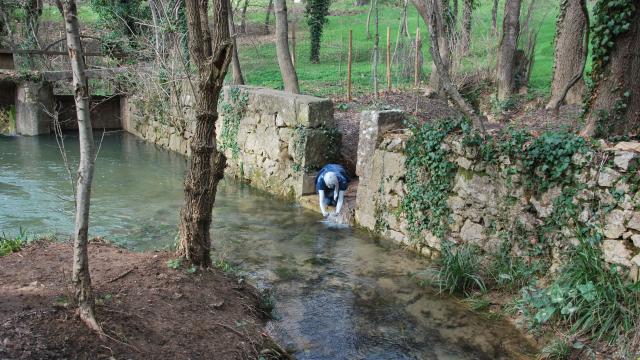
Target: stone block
{"points": [[615, 252], [32, 98], [608, 177], [634, 222], [614, 224], [622, 159], [472, 233], [314, 112], [373, 125]]}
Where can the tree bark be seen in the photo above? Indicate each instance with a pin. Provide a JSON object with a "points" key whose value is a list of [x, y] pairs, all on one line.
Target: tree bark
{"points": [[268, 16], [494, 18], [432, 20], [243, 17], [81, 277], [614, 105], [505, 73], [211, 55], [442, 40], [236, 70], [572, 39], [289, 76], [465, 36]]}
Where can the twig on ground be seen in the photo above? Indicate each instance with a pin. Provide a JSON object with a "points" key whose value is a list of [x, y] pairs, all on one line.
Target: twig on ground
{"points": [[122, 275]]}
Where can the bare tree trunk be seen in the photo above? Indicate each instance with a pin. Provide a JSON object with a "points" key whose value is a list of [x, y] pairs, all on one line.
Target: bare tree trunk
{"points": [[81, 277], [243, 17], [443, 42], [369, 21], [211, 55], [494, 18], [289, 76], [153, 6], [236, 70], [431, 18], [572, 42], [376, 52], [268, 16], [506, 68], [614, 106], [465, 38]]}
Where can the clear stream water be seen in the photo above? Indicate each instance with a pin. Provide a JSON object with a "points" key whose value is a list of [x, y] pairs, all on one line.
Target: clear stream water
{"points": [[339, 293]]}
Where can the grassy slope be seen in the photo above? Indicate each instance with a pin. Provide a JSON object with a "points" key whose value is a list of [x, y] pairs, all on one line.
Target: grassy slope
{"points": [[327, 78]]}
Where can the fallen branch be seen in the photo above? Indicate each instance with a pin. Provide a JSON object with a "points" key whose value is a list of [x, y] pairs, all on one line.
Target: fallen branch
{"points": [[122, 275]]}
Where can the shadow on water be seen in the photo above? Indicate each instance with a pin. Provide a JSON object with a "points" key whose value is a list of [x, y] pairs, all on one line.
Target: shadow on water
{"points": [[339, 294]]}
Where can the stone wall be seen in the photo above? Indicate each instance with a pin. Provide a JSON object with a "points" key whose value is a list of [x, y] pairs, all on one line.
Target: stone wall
{"points": [[105, 112], [489, 199], [272, 139]]}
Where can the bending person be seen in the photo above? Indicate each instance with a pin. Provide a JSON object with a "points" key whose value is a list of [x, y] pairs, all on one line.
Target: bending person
{"points": [[331, 183]]}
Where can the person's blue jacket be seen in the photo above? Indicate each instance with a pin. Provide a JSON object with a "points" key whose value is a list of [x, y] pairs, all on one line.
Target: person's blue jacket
{"points": [[341, 174]]}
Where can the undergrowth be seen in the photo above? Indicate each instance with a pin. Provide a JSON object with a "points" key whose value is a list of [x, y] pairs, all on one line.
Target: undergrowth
{"points": [[13, 243], [588, 296]]}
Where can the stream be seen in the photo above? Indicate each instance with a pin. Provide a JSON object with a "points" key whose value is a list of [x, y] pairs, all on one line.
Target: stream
{"points": [[339, 293]]}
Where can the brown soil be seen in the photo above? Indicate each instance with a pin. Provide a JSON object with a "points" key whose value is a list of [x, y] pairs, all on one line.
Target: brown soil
{"points": [[147, 310]]}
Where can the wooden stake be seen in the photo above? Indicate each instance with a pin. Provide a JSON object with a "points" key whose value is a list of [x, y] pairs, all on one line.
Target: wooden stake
{"points": [[349, 59], [416, 70], [388, 58]]}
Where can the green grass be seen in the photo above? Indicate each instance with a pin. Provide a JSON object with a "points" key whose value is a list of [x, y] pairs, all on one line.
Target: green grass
{"points": [[13, 243], [328, 78]]}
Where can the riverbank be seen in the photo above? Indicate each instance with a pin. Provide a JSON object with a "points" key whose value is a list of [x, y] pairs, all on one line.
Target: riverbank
{"points": [[148, 305]]}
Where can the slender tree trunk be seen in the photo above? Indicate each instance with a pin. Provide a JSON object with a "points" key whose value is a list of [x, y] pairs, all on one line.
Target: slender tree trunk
{"points": [[153, 6], [614, 105], [506, 68], [376, 52], [236, 70], [432, 20], [442, 40], [465, 36], [369, 20], [572, 40], [268, 16], [494, 17], [243, 17], [81, 277], [289, 76], [211, 55]]}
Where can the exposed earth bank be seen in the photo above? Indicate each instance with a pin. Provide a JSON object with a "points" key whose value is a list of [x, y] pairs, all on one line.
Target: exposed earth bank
{"points": [[147, 309]]}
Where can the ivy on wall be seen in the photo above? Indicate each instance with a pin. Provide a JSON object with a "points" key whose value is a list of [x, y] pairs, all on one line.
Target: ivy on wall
{"points": [[232, 110]]}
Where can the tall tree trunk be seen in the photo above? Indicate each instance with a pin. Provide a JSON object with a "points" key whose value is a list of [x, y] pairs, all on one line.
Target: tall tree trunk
{"points": [[316, 11], [289, 76], [268, 16], [431, 18], [505, 73], [243, 17], [465, 37], [81, 277], [369, 20], [155, 18], [236, 70], [614, 105], [572, 40], [211, 55], [494, 18], [442, 40], [376, 52]]}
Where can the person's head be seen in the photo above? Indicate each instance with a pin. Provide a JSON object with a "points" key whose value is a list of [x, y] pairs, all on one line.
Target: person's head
{"points": [[331, 180]]}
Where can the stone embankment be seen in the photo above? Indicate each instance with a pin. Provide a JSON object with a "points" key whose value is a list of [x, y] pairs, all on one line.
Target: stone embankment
{"points": [[488, 199], [272, 139]]}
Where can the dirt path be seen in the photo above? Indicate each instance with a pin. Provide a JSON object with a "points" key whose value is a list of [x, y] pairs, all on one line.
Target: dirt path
{"points": [[148, 310]]}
